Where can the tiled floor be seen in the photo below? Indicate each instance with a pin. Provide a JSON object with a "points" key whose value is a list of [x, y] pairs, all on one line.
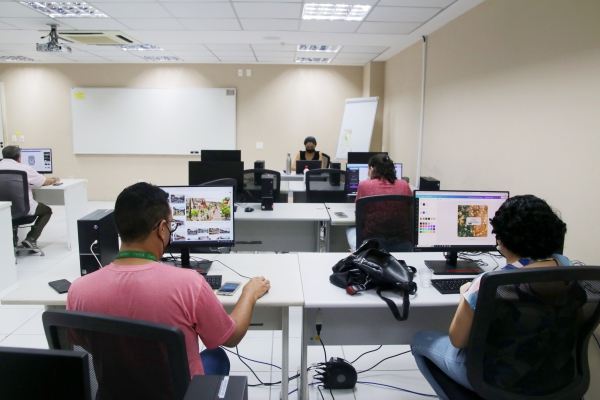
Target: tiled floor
{"points": [[21, 326]]}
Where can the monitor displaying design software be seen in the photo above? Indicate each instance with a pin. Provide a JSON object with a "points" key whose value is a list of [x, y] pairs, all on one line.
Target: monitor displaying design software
{"points": [[38, 159], [205, 215], [356, 173], [452, 221]]}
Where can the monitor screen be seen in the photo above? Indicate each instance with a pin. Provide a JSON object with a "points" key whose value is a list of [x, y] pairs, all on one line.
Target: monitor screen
{"points": [[220, 155], [356, 173], [206, 171], [362, 157], [205, 214], [452, 221], [38, 159], [311, 164]]}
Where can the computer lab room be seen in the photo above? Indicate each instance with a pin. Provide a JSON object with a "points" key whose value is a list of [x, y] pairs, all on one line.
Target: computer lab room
{"points": [[287, 199]]}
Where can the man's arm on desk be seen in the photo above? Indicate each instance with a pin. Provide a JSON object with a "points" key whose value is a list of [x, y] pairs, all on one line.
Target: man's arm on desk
{"points": [[242, 313]]}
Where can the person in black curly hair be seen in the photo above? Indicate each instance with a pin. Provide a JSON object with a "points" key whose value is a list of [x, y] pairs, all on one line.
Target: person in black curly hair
{"points": [[528, 233]]}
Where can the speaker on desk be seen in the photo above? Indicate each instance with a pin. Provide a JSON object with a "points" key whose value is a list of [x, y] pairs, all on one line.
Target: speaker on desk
{"points": [[335, 178], [98, 227], [267, 195], [258, 164], [429, 183]]}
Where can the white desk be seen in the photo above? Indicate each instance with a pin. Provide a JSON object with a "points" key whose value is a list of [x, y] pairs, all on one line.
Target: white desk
{"points": [[271, 311], [73, 195], [8, 269], [291, 177], [365, 319], [289, 227]]}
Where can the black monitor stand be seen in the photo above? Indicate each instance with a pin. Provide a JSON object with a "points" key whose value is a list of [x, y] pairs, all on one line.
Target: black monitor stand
{"points": [[201, 266], [452, 266]]}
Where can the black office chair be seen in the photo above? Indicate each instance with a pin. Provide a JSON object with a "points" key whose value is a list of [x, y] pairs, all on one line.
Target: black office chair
{"points": [[130, 359], [44, 374], [388, 218], [326, 186], [14, 187], [530, 335], [253, 184], [326, 160]]}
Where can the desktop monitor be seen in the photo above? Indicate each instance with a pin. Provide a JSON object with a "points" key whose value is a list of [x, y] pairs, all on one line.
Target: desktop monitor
{"points": [[362, 157], [205, 171], [220, 155], [205, 216], [452, 221], [311, 164], [38, 159], [356, 173]]}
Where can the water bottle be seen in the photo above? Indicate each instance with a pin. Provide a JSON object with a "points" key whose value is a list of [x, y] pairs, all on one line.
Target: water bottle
{"points": [[288, 164], [305, 171]]}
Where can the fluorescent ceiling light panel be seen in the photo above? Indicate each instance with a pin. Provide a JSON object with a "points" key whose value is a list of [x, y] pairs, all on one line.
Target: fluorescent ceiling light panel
{"points": [[335, 12], [313, 60], [162, 58], [321, 48], [61, 9], [139, 47], [15, 58]]}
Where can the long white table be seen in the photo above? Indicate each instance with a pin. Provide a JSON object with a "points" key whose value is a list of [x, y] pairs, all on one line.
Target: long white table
{"points": [[73, 195], [271, 311], [289, 227], [365, 319], [8, 269]]}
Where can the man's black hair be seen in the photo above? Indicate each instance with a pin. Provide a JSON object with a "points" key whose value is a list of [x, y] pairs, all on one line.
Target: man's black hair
{"points": [[139, 208], [310, 139], [528, 227], [12, 152]]}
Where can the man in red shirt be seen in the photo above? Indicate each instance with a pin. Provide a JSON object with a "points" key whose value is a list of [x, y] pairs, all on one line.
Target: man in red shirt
{"points": [[136, 286]]}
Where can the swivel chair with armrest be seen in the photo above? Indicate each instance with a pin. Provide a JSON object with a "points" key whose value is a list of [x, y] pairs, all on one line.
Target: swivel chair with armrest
{"points": [[14, 187], [129, 359], [326, 160], [388, 218], [530, 335], [325, 186]]}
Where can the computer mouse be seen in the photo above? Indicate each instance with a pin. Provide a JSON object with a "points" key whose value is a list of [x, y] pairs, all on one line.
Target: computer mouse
{"points": [[248, 209]]}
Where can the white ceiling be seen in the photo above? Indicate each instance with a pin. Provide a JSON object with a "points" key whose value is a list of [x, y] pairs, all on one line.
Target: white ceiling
{"points": [[231, 31]]}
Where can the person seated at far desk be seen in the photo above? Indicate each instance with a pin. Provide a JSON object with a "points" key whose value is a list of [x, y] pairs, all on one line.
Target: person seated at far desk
{"points": [[528, 231], [137, 286], [12, 161], [382, 180], [310, 143]]}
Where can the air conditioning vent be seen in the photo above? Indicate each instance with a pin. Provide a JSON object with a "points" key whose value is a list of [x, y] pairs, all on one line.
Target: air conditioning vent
{"points": [[97, 37]]}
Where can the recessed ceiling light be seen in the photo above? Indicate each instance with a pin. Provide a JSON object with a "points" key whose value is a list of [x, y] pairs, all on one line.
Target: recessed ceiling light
{"points": [[315, 47], [162, 58], [16, 58], [65, 9], [313, 60], [139, 47], [335, 12]]}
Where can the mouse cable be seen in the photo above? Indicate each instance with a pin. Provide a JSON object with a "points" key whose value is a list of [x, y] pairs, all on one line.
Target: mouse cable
{"points": [[220, 262]]}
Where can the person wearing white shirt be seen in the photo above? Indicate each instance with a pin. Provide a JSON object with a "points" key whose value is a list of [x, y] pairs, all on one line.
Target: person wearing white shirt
{"points": [[12, 161]]}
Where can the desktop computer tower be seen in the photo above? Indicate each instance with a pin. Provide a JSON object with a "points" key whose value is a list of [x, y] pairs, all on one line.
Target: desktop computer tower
{"points": [[268, 192], [335, 178], [258, 164], [429, 183], [98, 226]]}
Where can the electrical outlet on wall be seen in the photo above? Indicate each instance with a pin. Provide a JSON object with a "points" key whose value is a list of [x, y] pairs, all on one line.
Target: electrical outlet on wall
{"points": [[22, 138], [248, 72], [240, 72], [14, 138], [259, 145]]}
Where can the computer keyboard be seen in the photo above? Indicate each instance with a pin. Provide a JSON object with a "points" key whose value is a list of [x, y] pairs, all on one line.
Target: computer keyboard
{"points": [[215, 281], [449, 286]]}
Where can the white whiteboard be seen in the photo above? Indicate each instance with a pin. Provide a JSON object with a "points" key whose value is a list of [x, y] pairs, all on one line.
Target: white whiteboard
{"points": [[152, 121], [357, 126]]}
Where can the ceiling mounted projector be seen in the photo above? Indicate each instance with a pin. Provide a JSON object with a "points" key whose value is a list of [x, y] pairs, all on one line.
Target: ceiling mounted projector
{"points": [[53, 45]]}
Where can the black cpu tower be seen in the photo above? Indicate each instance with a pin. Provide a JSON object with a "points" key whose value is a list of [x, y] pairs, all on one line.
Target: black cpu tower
{"points": [[258, 164], [98, 227], [267, 194], [335, 178], [429, 183]]}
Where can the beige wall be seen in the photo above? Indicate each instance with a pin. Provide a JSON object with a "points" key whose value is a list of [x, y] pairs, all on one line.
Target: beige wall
{"points": [[373, 86], [511, 103], [278, 105]]}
